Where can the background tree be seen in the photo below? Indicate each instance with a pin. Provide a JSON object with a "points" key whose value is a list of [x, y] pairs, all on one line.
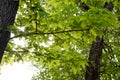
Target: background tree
{"points": [[66, 41], [8, 9]]}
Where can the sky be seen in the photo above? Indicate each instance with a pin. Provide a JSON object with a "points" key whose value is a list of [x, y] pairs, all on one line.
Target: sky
{"points": [[17, 71]]}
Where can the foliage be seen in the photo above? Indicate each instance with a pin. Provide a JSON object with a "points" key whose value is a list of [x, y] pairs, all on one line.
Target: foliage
{"points": [[58, 37]]}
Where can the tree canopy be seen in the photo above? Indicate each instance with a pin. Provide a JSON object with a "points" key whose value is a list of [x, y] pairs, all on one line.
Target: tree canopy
{"points": [[58, 36]]}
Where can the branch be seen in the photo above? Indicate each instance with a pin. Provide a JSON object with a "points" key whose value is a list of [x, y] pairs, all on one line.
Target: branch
{"points": [[43, 33]]}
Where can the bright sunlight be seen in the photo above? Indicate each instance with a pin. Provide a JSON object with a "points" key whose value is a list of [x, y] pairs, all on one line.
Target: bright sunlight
{"points": [[17, 71]]}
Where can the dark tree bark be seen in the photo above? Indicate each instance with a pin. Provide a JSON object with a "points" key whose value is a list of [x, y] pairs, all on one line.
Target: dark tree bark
{"points": [[8, 10], [93, 68], [109, 6], [84, 7]]}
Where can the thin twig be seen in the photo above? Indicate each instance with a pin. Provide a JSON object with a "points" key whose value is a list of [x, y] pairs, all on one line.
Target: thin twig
{"points": [[43, 33]]}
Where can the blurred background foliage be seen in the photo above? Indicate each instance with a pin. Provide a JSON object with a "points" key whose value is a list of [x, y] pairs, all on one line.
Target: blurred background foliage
{"points": [[56, 36]]}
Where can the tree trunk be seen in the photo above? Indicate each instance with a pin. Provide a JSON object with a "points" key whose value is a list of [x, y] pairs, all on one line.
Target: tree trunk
{"points": [[8, 10], [93, 68]]}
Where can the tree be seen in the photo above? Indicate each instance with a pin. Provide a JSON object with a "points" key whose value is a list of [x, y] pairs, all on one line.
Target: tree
{"points": [[8, 9], [66, 42]]}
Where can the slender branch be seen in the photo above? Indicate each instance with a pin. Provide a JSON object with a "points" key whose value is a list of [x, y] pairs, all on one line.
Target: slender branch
{"points": [[43, 33]]}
